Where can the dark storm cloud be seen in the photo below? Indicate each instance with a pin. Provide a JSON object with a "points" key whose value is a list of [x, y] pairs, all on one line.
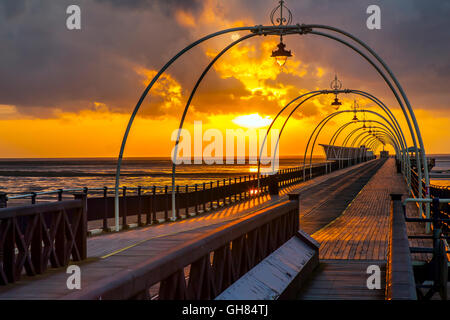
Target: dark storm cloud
{"points": [[168, 5], [11, 8], [45, 66]]}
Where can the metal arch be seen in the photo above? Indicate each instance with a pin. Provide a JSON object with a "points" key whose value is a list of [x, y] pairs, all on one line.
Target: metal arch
{"points": [[355, 140], [359, 92], [281, 131], [186, 108], [389, 141], [272, 123], [337, 133], [384, 139], [141, 99], [261, 30], [359, 128], [399, 87], [344, 144], [386, 80], [354, 131], [375, 144], [384, 128], [382, 135], [341, 129], [326, 119], [417, 130], [378, 129], [406, 164], [365, 139], [372, 141]]}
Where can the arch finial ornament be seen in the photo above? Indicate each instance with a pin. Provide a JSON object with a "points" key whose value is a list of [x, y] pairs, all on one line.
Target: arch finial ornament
{"points": [[281, 20]]}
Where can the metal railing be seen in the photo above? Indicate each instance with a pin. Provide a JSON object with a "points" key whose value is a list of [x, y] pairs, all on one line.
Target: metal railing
{"points": [[436, 270]]}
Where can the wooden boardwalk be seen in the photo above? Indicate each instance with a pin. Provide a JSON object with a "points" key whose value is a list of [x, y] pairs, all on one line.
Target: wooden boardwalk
{"points": [[343, 280], [356, 239], [112, 253], [361, 232]]}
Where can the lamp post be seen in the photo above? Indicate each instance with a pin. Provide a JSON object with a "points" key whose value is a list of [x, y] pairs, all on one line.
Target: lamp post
{"points": [[281, 54], [336, 85]]}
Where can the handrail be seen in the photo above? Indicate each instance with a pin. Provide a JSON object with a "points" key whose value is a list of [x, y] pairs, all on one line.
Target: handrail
{"points": [[231, 245], [111, 188], [36, 236]]}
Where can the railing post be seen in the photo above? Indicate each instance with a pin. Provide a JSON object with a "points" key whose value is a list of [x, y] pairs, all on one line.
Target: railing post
{"points": [[211, 195], [105, 211], [218, 194], [153, 206], [229, 190], [139, 190], [166, 206], [204, 198], [296, 197], [3, 200], [186, 201], [177, 202], [9, 253], [81, 234], [238, 189], [124, 206], [60, 192], [196, 199], [33, 198], [246, 188], [273, 185]]}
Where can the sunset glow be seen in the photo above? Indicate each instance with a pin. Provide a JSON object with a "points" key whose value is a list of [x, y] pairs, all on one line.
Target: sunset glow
{"points": [[244, 88], [252, 121]]}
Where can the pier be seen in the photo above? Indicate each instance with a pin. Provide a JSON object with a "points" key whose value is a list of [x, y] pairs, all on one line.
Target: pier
{"points": [[364, 224], [348, 212]]}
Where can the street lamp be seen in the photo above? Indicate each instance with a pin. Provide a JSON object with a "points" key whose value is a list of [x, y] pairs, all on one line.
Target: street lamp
{"points": [[336, 85], [281, 55], [355, 107]]}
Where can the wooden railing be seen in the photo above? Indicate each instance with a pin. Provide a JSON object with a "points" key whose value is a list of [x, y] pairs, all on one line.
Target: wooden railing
{"points": [[152, 206], [34, 237], [400, 283], [205, 266]]}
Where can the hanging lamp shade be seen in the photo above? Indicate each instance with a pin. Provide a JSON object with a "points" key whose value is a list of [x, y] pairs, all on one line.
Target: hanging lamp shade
{"points": [[281, 55], [336, 103]]}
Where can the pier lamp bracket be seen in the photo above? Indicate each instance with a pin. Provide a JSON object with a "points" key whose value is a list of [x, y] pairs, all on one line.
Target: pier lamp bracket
{"points": [[336, 85]]}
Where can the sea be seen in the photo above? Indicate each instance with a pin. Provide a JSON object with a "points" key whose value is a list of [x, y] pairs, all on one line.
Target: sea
{"points": [[440, 174], [21, 176]]}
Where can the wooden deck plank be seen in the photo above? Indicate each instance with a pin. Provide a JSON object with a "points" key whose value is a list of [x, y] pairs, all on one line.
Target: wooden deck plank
{"points": [[119, 250], [361, 232], [342, 280]]}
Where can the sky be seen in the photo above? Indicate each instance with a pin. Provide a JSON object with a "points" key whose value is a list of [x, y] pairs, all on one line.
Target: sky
{"points": [[70, 93]]}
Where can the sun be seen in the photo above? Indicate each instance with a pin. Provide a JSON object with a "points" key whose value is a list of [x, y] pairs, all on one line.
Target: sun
{"points": [[253, 120]]}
